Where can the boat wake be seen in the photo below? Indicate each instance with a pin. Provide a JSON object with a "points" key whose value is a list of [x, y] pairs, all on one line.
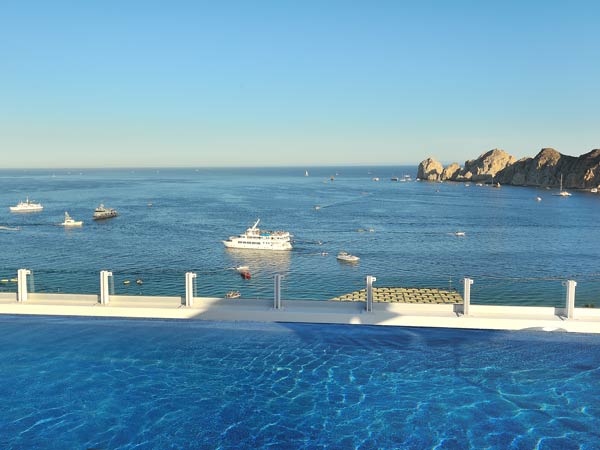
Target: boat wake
{"points": [[5, 228]]}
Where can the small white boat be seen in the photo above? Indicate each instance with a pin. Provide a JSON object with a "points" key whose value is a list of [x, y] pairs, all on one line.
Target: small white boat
{"points": [[375, 178], [27, 206], [347, 257], [306, 173], [460, 233], [242, 269], [538, 199], [594, 190], [317, 207], [233, 294], [70, 222]]}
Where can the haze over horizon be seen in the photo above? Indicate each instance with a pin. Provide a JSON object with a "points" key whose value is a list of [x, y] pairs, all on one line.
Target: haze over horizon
{"points": [[142, 84]]}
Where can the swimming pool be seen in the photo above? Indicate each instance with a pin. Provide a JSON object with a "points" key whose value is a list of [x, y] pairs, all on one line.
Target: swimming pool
{"points": [[80, 383]]}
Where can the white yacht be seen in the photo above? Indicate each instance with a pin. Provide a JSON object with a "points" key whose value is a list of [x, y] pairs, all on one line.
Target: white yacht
{"points": [[257, 239], [70, 222], [27, 206], [347, 257], [101, 213]]}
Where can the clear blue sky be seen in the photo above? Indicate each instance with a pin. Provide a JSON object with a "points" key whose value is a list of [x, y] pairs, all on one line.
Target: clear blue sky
{"points": [[157, 83]]}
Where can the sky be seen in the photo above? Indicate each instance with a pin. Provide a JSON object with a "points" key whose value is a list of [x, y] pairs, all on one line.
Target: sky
{"points": [[269, 83]]}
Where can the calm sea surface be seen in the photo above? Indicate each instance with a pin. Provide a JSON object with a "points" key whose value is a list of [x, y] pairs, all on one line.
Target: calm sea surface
{"points": [[517, 250]]}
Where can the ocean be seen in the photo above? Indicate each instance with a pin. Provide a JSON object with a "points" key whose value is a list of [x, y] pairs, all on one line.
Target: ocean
{"points": [[517, 250]]}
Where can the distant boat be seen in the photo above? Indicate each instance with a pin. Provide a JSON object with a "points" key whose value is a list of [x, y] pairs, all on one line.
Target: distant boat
{"points": [[70, 222], [375, 178], [394, 179], [538, 199], [594, 190], [317, 207], [562, 193], [306, 173], [101, 213], [347, 257], [459, 233], [27, 206], [233, 294]]}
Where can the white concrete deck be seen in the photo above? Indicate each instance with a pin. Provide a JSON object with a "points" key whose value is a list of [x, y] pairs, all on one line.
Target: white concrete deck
{"points": [[219, 309]]}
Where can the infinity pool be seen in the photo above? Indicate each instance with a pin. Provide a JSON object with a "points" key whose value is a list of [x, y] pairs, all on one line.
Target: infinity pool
{"points": [[81, 383]]}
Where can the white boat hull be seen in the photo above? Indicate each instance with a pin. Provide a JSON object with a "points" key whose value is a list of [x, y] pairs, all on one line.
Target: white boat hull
{"points": [[17, 209], [277, 246]]}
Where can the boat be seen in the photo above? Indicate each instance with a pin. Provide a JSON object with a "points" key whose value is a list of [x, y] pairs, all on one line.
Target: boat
{"points": [[101, 212], [306, 173], [233, 294], [375, 178], [317, 207], [562, 193], [246, 275], [27, 206], [538, 199], [459, 233], [242, 269], [347, 257], [394, 179], [70, 222], [257, 239], [594, 190]]}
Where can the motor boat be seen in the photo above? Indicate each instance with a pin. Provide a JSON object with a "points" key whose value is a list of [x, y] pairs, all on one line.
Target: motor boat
{"points": [[101, 212], [70, 222], [347, 257]]}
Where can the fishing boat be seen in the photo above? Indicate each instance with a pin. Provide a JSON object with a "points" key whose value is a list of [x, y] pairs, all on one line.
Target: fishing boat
{"points": [[70, 222], [26, 206], [347, 257], [257, 239], [101, 212]]}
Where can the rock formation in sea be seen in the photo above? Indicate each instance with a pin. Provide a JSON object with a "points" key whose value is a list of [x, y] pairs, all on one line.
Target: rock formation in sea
{"points": [[545, 169], [430, 170]]}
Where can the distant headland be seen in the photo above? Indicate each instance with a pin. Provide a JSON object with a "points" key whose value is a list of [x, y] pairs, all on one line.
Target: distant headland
{"points": [[497, 166]]}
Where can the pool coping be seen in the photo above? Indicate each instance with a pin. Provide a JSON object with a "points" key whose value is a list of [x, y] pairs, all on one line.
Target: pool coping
{"points": [[488, 317]]}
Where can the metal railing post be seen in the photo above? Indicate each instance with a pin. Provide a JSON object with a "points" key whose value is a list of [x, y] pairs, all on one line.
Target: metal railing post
{"points": [[189, 288], [277, 291], [104, 289], [370, 281], [22, 284], [467, 282], [570, 300]]}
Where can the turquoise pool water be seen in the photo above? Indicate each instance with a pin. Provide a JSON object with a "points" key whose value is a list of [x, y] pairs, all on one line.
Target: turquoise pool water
{"points": [[83, 383]]}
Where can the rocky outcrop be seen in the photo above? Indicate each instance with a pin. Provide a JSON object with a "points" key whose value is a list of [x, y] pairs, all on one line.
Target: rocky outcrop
{"points": [[545, 169], [451, 172], [430, 170], [487, 165]]}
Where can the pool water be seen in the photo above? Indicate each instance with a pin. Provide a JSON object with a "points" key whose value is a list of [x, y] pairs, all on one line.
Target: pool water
{"points": [[110, 383]]}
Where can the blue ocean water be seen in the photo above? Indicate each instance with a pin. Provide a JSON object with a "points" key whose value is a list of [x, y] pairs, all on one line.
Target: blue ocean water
{"points": [[516, 249], [96, 383]]}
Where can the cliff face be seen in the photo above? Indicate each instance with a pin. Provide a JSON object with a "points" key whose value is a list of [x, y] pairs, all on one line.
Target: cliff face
{"points": [[545, 169]]}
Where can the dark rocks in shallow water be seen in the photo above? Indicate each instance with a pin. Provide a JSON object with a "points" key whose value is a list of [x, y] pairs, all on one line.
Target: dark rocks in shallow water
{"points": [[545, 169]]}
